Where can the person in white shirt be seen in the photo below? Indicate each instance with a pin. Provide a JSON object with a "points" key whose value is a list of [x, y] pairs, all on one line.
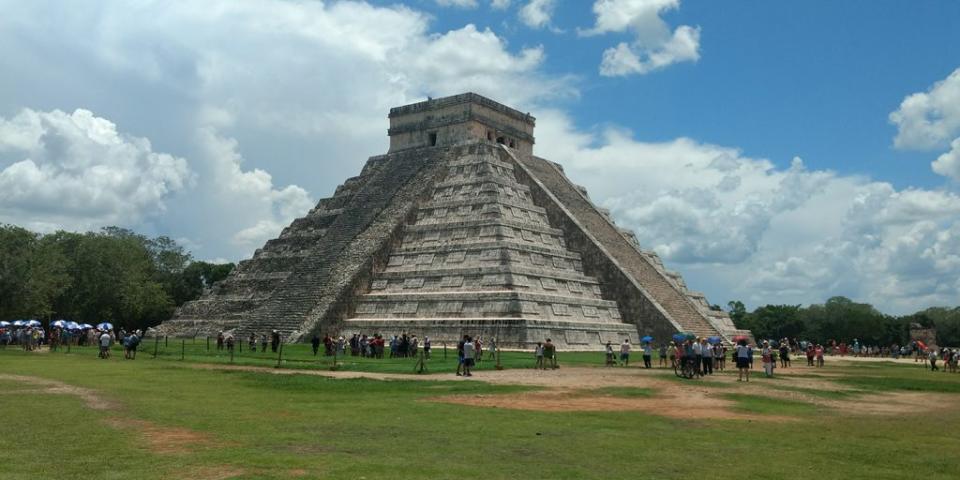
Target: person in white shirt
{"points": [[625, 352], [105, 341], [469, 350], [697, 357]]}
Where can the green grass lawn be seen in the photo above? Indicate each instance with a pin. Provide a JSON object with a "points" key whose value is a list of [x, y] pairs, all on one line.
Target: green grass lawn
{"points": [[258, 425]]}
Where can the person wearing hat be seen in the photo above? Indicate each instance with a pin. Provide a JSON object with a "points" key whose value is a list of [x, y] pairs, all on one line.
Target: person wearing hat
{"points": [[767, 356]]}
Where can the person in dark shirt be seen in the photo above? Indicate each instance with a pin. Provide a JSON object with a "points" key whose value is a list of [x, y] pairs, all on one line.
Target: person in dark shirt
{"points": [[315, 342]]}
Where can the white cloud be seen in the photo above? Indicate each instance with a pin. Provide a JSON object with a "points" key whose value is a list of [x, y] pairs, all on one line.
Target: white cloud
{"points": [[948, 164], [931, 119], [537, 13], [77, 171], [654, 46], [266, 210], [309, 115], [499, 4], [457, 3], [763, 234]]}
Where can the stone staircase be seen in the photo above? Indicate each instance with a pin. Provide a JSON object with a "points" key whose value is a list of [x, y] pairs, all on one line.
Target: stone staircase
{"points": [[651, 282], [329, 268]]}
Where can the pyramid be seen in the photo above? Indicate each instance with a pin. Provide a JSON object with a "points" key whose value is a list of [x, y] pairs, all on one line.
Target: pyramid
{"points": [[458, 229]]}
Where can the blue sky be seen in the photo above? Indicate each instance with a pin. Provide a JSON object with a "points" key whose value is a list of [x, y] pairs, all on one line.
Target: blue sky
{"points": [[771, 151]]}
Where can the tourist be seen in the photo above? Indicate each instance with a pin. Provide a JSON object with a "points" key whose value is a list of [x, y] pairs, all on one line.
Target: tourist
{"points": [[810, 355], [230, 343], [479, 346], [315, 343], [719, 357], [415, 344], [933, 360], [274, 341], [624, 352], [394, 346], [610, 358], [469, 356], [743, 360], [538, 355], [550, 353], [784, 354], [133, 341], [647, 355], [492, 348], [706, 351], [426, 347], [220, 340], [766, 354], [354, 345], [263, 343], [460, 345], [105, 341], [327, 345], [663, 355], [672, 354], [818, 351], [697, 356]]}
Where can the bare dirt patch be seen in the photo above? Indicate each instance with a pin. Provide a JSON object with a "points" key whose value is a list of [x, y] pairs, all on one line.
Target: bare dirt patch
{"points": [[669, 402], [90, 398], [163, 439], [214, 473]]}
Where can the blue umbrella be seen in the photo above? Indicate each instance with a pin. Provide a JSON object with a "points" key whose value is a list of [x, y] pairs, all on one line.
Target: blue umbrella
{"points": [[18, 323], [59, 324], [33, 323], [72, 326], [105, 326], [647, 339], [714, 340], [679, 337], [4, 323], [86, 326]]}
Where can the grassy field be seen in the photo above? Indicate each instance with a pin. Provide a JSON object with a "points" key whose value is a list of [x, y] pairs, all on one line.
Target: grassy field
{"points": [[74, 416]]}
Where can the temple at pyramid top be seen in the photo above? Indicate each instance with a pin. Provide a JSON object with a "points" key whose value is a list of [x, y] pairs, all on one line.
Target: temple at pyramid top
{"points": [[459, 119], [457, 229]]}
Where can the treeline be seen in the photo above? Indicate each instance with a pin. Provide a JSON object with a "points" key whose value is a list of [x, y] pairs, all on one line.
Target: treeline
{"points": [[114, 275], [842, 319]]}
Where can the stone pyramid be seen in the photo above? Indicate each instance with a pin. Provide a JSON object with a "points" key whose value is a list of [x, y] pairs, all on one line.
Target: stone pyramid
{"points": [[457, 230]]}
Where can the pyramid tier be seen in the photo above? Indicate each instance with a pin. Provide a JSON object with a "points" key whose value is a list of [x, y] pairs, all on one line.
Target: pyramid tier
{"points": [[521, 333], [482, 304]]}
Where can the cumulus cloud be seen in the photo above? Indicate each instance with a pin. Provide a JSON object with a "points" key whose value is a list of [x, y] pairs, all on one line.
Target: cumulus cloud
{"points": [[299, 90], [499, 4], [931, 119], [266, 209], [654, 46], [537, 13], [948, 164], [764, 233], [76, 170]]}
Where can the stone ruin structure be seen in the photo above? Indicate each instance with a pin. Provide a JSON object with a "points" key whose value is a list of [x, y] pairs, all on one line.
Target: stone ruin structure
{"points": [[458, 229]]}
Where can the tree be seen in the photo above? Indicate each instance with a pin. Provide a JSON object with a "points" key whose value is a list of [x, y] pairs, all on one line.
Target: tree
{"points": [[737, 312]]}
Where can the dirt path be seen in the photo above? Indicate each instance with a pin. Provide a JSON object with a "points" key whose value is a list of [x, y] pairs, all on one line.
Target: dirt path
{"points": [[581, 389]]}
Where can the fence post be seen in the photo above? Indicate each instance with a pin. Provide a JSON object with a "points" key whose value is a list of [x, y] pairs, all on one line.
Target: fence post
{"points": [[183, 346], [231, 355], [240, 344], [156, 342], [208, 344], [166, 341], [444, 351], [279, 354]]}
